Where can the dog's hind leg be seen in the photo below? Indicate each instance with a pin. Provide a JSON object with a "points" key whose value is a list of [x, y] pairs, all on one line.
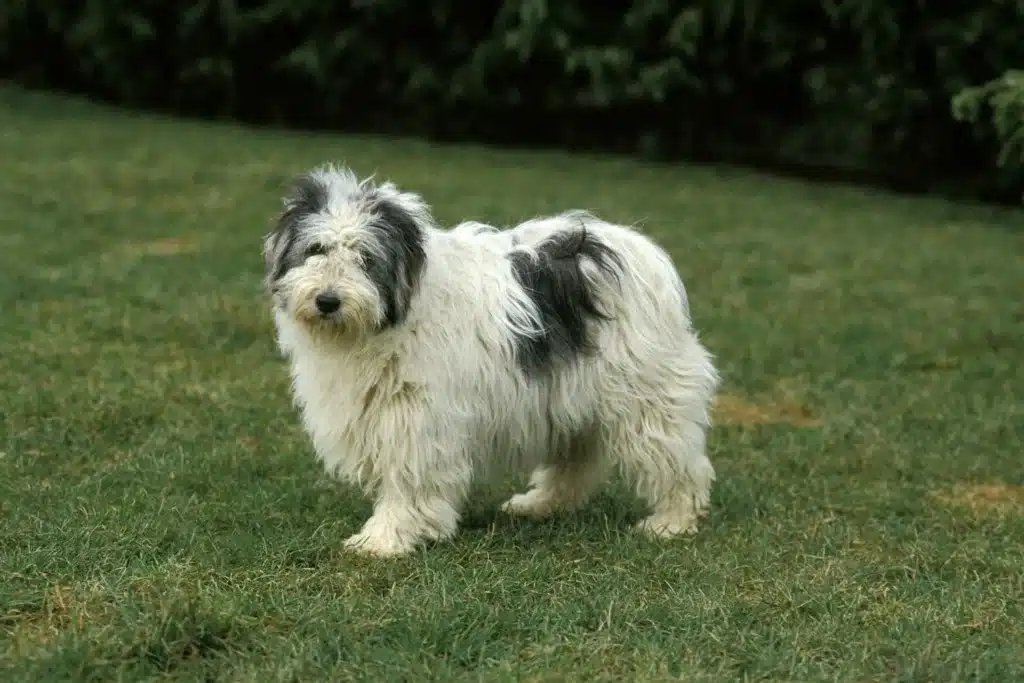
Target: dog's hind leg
{"points": [[564, 483], [664, 456]]}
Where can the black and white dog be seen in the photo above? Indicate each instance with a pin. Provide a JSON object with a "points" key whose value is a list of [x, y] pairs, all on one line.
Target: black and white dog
{"points": [[423, 359]]}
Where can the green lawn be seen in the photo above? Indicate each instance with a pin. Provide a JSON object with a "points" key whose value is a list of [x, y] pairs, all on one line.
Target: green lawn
{"points": [[162, 516]]}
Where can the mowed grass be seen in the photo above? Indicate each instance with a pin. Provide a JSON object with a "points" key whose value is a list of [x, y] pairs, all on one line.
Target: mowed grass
{"points": [[163, 517]]}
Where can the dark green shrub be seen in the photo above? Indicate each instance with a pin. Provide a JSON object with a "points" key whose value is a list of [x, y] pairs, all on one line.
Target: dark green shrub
{"points": [[865, 86], [997, 109]]}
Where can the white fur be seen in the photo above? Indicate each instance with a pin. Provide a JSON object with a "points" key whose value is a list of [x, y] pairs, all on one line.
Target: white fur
{"points": [[417, 413]]}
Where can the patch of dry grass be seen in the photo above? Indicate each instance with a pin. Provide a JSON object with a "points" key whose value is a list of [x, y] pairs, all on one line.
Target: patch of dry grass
{"points": [[169, 246], [984, 499], [731, 409], [62, 609]]}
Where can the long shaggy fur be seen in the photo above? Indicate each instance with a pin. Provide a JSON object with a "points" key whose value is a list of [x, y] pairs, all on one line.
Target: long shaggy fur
{"points": [[424, 359]]}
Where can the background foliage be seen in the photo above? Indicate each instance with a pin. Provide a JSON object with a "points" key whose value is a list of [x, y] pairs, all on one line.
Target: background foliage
{"points": [[862, 86]]}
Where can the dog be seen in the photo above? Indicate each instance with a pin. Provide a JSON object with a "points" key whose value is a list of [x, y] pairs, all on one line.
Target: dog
{"points": [[424, 359]]}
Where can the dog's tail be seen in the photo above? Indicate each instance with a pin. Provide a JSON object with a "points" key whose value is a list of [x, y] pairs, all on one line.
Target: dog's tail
{"points": [[564, 276]]}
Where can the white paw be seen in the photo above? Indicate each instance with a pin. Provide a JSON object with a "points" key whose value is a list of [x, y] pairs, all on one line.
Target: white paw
{"points": [[386, 544], [667, 526], [529, 504]]}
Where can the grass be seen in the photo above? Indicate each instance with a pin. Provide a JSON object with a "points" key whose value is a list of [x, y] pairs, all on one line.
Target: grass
{"points": [[163, 517]]}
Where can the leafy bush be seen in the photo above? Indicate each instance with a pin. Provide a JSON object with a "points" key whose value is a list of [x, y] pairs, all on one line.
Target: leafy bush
{"points": [[864, 85], [997, 108]]}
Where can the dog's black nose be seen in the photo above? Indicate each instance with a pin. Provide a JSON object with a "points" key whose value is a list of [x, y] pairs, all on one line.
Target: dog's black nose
{"points": [[327, 303]]}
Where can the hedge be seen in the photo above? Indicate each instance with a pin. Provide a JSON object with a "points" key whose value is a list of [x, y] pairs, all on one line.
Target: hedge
{"points": [[902, 92]]}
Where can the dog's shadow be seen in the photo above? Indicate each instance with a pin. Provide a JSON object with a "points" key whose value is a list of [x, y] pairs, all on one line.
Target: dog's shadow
{"points": [[611, 512], [613, 509]]}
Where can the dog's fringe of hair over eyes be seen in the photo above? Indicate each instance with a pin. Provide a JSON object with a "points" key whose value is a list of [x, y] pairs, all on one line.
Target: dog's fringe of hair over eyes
{"points": [[552, 275]]}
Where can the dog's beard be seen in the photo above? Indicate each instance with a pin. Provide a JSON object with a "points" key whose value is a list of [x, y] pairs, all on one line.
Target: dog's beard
{"points": [[359, 314]]}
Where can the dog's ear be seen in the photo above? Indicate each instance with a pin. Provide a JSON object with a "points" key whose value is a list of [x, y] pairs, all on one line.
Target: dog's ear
{"points": [[307, 195], [408, 203], [277, 245], [272, 252]]}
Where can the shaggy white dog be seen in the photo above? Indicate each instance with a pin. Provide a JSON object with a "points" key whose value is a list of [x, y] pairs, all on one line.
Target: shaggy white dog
{"points": [[424, 359]]}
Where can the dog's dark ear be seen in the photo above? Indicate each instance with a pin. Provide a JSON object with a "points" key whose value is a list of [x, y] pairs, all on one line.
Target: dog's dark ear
{"points": [[277, 243], [307, 195], [396, 259], [272, 253], [408, 203]]}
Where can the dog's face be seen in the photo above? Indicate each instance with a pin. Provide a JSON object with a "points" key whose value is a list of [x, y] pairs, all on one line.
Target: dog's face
{"points": [[346, 256]]}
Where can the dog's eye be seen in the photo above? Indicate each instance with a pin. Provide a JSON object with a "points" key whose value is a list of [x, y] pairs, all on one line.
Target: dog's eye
{"points": [[315, 250]]}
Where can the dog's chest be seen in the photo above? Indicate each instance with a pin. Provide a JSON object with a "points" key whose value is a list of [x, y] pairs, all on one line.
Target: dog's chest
{"points": [[328, 394], [345, 398]]}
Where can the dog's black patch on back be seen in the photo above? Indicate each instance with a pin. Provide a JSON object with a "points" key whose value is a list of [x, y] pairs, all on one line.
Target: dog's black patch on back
{"points": [[308, 195], [567, 306], [395, 260]]}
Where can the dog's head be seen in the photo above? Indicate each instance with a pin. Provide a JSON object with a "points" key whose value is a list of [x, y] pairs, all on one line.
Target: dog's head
{"points": [[346, 255]]}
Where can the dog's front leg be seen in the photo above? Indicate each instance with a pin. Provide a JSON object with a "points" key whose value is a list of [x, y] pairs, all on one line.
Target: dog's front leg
{"points": [[403, 520]]}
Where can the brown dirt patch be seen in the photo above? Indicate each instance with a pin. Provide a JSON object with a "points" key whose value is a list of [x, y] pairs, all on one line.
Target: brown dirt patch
{"points": [[984, 499], [170, 246], [736, 410], [60, 610]]}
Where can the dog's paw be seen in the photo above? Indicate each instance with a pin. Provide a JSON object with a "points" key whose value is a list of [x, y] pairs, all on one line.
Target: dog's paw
{"points": [[667, 526], [379, 544], [530, 504]]}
